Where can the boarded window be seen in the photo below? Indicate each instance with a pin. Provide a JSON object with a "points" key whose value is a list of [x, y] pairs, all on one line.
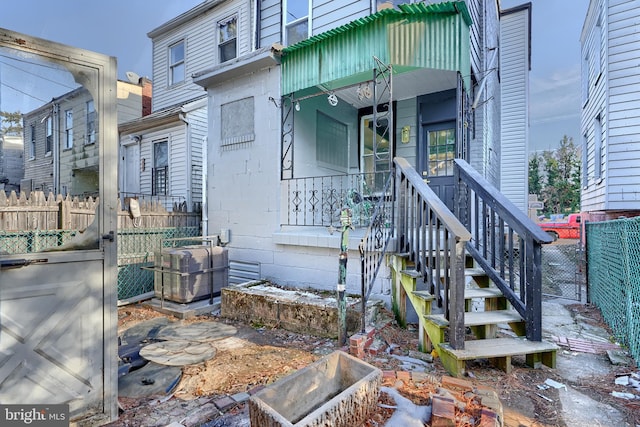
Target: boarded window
{"points": [[236, 122]]}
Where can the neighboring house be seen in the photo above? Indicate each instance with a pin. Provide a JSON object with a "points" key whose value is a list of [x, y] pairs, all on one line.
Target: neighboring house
{"points": [[309, 117], [162, 154], [610, 118], [61, 150], [11, 162]]}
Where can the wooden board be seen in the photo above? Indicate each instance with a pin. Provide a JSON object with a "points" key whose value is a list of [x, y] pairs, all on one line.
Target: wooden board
{"points": [[477, 318], [498, 347]]}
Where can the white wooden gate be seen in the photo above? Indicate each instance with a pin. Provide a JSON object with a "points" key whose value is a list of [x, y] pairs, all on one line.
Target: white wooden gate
{"points": [[58, 309]]}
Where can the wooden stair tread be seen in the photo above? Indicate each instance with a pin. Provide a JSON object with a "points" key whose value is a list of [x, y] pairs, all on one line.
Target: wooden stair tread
{"points": [[482, 293], [478, 318], [412, 273], [425, 295], [498, 347]]}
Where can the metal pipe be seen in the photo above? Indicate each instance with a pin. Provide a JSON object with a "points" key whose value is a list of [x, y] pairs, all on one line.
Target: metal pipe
{"points": [[345, 220]]}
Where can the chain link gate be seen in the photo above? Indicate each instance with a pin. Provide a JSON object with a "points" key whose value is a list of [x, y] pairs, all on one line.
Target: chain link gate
{"points": [[563, 270]]}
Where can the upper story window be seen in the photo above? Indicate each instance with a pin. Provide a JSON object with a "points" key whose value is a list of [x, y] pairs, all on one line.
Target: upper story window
{"points": [[176, 63], [388, 4], [296, 21], [227, 38], [68, 129], [597, 148], [91, 123], [32, 145], [585, 79], [48, 144]]}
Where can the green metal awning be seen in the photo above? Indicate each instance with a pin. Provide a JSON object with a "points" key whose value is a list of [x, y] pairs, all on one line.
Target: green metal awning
{"points": [[418, 35]]}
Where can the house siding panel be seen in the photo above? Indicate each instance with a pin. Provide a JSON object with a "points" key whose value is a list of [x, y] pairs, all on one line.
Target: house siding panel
{"points": [[270, 23], [514, 69], [334, 13], [615, 99]]}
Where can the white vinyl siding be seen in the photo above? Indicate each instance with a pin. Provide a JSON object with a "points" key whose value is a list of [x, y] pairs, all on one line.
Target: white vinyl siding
{"points": [[330, 14], [270, 22], [514, 73], [201, 51]]}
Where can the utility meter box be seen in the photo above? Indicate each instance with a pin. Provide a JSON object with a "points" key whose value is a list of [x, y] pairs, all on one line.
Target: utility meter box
{"points": [[191, 273]]}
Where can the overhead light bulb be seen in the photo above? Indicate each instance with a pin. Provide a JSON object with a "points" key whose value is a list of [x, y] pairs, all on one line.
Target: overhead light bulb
{"points": [[297, 106]]}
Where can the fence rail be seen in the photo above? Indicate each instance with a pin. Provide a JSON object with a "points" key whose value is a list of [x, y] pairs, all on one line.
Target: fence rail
{"points": [[613, 260]]}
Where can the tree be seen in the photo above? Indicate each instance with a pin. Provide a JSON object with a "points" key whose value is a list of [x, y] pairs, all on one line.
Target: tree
{"points": [[561, 189], [11, 122], [535, 180]]}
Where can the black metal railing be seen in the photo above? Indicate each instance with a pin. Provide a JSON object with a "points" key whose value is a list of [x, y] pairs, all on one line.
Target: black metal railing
{"points": [[434, 239], [505, 243], [317, 201], [373, 244]]}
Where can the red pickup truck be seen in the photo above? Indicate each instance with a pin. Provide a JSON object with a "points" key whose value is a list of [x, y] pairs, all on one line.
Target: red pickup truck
{"points": [[569, 229]]}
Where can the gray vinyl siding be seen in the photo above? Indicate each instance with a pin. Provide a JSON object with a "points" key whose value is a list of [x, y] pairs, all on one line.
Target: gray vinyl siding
{"points": [[613, 95], [406, 115], [329, 14], [476, 11], [198, 134], [201, 51], [129, 102], [39, 169], [514, 72], [270, 23]]}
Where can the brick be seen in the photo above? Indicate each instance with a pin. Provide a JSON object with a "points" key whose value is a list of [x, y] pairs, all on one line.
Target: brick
{"points": [[390, 375], [224, 403], [489, 419], [404, 376], [456, 384], [255, 389], [240, 397], [443, 412]]}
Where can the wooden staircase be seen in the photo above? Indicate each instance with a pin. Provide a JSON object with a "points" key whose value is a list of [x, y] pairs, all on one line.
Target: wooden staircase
{"points": [[485, 309]]}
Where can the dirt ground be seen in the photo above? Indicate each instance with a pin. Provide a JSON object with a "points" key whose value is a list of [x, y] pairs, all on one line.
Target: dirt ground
{"points": [[258, 356]]}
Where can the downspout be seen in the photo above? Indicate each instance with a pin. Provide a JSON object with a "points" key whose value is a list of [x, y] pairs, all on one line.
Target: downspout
{"points": [[55, 125], [188, 165], [205, 207]]}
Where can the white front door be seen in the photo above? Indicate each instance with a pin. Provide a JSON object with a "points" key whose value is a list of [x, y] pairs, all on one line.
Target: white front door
{"points": [[58, 303]]}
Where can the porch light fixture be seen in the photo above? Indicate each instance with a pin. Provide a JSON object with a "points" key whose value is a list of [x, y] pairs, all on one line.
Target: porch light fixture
{"points": [[297, 106], [364, 91], [332, 99]]}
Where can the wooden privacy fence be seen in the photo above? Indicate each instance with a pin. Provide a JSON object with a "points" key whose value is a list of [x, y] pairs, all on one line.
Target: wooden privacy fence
{"points": [[40, 212]]}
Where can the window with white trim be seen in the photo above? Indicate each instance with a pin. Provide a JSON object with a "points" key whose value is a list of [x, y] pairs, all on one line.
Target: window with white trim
{"points": [[68, 129], [389, 4], [91, 123], [228, 38], [160, 172], [585, 159], [32, 145], [176, 63], [597, 148], [296, 21], [48, 143]]}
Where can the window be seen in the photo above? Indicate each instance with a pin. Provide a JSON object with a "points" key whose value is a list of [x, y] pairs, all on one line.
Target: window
{"points": [[388, 4], [68, 128], [48, 144], [237, 122], [597, 148], [32, 145], [91, 123], [296, 21], [227, 38], [332, 143], [585, 79], [160, 172], [374, 156], [597, 49], [442, 144], [176, 63]]}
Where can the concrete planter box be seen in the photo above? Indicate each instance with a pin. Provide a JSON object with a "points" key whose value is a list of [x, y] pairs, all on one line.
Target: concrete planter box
{"points": [[338, 390], [297, 311]]}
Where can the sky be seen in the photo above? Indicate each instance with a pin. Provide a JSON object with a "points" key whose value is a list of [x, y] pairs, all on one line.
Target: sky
{"points": [[119, 28]]}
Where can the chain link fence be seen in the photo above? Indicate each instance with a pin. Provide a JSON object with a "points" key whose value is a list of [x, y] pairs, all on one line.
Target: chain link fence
{"points": [[137, 248], [613, 259], [563, 272]]}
